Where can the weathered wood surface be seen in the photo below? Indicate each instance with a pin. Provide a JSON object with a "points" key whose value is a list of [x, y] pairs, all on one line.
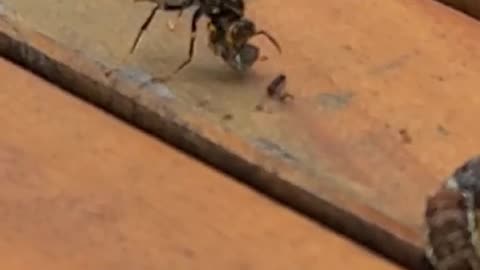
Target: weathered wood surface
{"points": [[83, 190], [386, 100]]}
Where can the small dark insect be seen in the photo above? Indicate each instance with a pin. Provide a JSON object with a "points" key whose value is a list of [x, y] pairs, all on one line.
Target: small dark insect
{"points": [[227, 117], [276, 89], [406, 138], [229, 31], [442, 130], [451, 225]]}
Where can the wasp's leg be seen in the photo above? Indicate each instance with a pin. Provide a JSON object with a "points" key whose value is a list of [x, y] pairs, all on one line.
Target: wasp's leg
{"points": [[180, 8], [191, 50], [213, 39], [172, 23], [144, 27], [193, 37], [149, 19], [270, 38]]}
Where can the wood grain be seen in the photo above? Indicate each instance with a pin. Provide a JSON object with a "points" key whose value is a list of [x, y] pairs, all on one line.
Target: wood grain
{"points": [[385, 108], [83, 190]]}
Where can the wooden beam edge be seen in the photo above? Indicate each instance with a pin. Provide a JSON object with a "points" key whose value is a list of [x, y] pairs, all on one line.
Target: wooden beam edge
{"points": [[470, 8], [121, 95]]}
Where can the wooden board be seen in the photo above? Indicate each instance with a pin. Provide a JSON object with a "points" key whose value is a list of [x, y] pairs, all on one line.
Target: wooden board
{"points": [[82, 190], [386, 100]]}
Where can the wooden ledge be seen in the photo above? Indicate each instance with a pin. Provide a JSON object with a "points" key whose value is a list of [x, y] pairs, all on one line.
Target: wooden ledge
{"points": [[80, 189], [386, 99]]}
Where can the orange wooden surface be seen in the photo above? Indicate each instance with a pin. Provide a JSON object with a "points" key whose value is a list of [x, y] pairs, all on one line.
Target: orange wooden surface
{"points": [[82, 190], [386, 93]]}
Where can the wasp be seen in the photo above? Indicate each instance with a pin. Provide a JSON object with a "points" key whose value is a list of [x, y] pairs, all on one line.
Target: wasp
{"points": [[229, 31]]}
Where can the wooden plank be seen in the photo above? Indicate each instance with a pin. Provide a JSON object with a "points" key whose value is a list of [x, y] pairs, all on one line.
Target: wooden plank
{"points": [[82, 190], [384, 93]]}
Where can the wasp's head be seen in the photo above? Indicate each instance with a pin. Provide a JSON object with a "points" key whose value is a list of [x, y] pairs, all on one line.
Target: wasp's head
{"points": [[239, 32], [244, 58]]}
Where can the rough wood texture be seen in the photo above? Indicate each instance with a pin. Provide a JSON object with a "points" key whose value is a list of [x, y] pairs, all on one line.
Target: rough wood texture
{"points": [[386, 100], [82, 190]]}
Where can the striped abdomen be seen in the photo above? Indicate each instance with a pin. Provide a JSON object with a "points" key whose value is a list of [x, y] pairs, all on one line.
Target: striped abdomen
{"points": [[451, 225]]}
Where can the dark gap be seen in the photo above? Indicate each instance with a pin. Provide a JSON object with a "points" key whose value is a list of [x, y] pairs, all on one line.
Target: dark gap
{"points": [[469, 8]]}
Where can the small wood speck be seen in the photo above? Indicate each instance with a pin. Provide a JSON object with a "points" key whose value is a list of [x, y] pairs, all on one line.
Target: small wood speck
{"points": [[227, 117], [406, 138], [442, 130]]}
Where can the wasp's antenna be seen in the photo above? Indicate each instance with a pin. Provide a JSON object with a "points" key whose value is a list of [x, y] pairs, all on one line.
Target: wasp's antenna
{"points": [[270, 38]]}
